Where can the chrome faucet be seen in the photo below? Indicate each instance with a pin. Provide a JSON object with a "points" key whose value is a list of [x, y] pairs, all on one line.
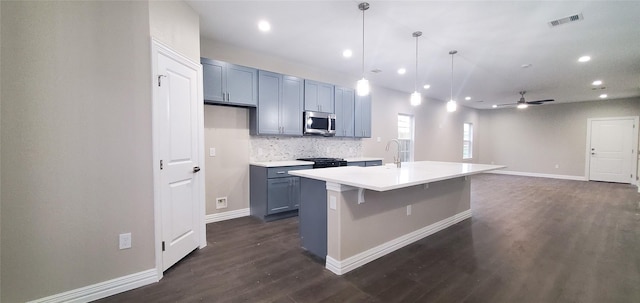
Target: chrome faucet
{"points": [[396, 159]]}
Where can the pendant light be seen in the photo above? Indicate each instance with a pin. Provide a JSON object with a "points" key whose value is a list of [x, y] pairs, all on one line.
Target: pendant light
{"points": [[451, 105], [363, 84], [416, 97]]}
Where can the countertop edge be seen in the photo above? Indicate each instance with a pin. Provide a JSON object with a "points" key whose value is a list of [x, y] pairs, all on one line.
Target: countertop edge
{"points": [[301, 173]]}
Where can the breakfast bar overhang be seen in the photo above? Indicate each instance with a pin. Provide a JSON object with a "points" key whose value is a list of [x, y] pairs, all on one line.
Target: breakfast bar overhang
{"points": [[353, 215]]}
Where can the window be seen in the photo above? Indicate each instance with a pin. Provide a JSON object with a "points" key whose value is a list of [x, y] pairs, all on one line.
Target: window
{"points": [[467, 141], [405, 137]]}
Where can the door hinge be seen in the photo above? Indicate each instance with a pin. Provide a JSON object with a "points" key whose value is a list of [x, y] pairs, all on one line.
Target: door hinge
{"points": [[161, 165], [162, 245], [159, 81]]}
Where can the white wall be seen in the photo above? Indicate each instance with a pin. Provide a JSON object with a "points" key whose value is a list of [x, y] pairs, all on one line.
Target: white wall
{"points": [[536, 139], [438, 133], [76, 138]]}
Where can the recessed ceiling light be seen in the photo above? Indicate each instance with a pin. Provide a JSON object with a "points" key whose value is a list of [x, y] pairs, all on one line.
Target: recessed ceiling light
{"points": [[347, 53], [603, 96], [597, 82], [402, 71], [467, 98], [584, 59], [494, 106], [426, 86], [264, 26]]}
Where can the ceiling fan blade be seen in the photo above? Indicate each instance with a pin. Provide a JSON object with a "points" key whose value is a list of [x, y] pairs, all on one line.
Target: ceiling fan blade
{"points": [[538, 102], [507, 104]]}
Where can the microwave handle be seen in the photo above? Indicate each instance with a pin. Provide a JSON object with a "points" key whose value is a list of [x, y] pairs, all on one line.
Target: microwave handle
{"points": [[329, 130]]}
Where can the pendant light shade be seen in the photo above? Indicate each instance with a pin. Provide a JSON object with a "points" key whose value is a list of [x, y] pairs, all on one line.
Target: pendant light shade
{"points": [[362, 88], [416, 97], [452, 106]]}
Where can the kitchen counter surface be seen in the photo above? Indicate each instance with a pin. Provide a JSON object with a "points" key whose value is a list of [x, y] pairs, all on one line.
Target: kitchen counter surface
{"points": [[389, 177], [361, 159], [281, 163]]}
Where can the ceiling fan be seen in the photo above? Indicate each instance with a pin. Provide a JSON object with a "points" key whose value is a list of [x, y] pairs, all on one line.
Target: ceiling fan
{"points": [[524, 104]]}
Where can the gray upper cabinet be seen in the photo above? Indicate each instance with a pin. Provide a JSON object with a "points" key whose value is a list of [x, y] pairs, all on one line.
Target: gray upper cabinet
{"points": [[229, 84], [279, 110], [363, 117], [318, 96], [344, 109]]}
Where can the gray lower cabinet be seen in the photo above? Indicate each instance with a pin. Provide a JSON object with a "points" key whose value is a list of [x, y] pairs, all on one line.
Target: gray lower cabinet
{"points": [[229, 84], [344, 107], [280, 101], [365, 163], [274, 194], [362, 116]]}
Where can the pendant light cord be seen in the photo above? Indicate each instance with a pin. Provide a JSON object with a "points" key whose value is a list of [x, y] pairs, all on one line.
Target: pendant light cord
{"points": [[415, 80], [453, 52], [363, 9]]}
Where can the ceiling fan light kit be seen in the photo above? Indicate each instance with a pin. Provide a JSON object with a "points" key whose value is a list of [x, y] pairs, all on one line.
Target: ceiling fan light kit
{"points": [[362, 86]]}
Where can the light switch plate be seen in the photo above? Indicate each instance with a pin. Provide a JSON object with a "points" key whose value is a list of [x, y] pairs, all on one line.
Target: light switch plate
{"points": [[212, 152], [125, 241]]}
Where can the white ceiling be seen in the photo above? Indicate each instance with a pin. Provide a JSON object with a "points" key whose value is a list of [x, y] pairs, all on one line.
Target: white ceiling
{"points": [[493, 39]]}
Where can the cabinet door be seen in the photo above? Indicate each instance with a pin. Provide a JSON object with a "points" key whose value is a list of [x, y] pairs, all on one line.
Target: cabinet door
{"points": [[279, 195], [295, 192], [311, 96], [212, 78], [344, 108], [291, 105], [242, 85], [269, 93], [326, 97], [363, 117], [318, 96]]}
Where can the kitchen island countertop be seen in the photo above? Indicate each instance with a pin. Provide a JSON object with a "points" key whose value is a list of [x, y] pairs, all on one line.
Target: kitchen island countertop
{"points": [[389, 177]]}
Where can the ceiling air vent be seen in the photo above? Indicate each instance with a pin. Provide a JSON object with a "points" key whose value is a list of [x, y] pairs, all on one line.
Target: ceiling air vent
{"points": [[569, 19]]}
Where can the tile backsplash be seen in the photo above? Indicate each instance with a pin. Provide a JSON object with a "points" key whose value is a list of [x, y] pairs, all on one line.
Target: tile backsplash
{"points": [[290, 148]]}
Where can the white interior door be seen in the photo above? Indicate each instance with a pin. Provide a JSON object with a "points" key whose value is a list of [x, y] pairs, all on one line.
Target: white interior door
{"points": [[611, 150], [178, 150]]}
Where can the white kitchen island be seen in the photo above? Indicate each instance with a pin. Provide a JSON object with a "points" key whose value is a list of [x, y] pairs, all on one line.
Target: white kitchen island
{"points": [[353, 215]]}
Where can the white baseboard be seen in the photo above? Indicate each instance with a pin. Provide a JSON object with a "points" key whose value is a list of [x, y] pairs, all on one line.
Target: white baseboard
{"points": [[353, 262], [537, 175], [104, 289], [227, 215]]}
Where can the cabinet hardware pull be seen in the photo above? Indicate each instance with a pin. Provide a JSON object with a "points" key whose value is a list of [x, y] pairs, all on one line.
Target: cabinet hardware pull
{"points": [[280, 172]]}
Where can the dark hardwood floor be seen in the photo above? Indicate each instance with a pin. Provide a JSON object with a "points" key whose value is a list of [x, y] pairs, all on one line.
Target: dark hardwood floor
{"points": [[529, 240]]}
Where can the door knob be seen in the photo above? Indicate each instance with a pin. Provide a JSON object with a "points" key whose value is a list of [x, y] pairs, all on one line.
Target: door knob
{"points": [[196, 169]]}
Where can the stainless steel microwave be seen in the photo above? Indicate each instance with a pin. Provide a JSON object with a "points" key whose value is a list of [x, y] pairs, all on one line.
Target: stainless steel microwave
{"points": [[316, 123]]}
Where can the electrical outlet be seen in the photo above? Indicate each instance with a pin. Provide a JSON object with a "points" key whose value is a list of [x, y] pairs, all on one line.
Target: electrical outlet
{"points": [[557, 165], [221, 202], [125, 241], [409, 210]]}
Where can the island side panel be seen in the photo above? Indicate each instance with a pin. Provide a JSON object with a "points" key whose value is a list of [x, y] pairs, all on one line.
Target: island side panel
{"points": [[313, 216], [382, 219]]}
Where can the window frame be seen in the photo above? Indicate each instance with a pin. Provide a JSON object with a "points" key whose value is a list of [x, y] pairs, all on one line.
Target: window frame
{"points": [[467, 141], [406, 145]]}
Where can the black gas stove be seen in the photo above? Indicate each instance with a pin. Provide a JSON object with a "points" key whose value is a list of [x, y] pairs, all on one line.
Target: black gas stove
{"points": [[325, 162]]}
